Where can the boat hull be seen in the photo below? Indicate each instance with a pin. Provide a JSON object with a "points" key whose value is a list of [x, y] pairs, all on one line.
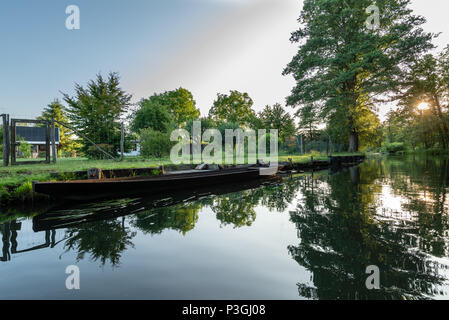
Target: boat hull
{"points": [[105, 188]]}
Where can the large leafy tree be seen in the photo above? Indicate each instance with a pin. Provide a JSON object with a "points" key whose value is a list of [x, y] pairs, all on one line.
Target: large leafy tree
{"points": [[179, 103], [95, 111], [152, 114], [206, 123], [276, 117], [55, 110], [309, 121], [428, 82], [342, 67], [233, 107]]}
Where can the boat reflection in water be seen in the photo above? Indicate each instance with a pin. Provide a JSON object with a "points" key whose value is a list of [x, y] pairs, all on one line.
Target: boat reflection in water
{"points": [[63, 217], [309, 236]]}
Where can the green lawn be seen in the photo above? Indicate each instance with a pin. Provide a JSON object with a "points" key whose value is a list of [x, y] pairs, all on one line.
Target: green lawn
{"points": [[16, 175]]}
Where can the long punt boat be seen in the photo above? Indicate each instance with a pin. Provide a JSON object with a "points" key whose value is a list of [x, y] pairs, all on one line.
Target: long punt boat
{"points": [[118, 187]]}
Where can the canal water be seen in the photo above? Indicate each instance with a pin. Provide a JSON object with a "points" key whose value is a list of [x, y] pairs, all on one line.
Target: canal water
{"points": [[309, 236]]}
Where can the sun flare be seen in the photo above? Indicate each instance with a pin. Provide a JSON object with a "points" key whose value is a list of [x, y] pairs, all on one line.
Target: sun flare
{"points": [[423, 106]]}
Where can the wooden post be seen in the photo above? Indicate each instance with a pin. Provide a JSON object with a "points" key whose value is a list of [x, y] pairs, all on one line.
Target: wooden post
{"points": [[94, 173], [5, 141], [122, 143], [301, 145], [53, 139], [47, 143], [8, 141], [13, 142]]}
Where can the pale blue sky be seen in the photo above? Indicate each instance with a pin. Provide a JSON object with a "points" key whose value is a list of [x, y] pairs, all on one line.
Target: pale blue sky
{"points": [[206, 46]]}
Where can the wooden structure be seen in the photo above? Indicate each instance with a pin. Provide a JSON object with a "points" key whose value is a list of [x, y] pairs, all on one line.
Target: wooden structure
{"points": [[10, 140], [119, 187], [48, 136], [9, 232], [6, 144]]}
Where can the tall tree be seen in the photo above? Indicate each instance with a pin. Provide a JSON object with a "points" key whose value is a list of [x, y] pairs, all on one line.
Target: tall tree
{"points": [[95, 111], [342, 67], [308, 120], [151, 114], [179, 103], [428, 83], [276, 117], [206, 123], [233, 107], [55, 110]]}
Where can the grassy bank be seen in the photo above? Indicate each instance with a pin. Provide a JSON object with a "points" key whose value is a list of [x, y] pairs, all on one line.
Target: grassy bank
{"points": [[16, 181]]}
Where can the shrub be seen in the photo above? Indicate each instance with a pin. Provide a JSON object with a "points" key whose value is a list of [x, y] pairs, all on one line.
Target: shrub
{"points": [[24, 148], [395, 147], [23, 192], [154, 143]]}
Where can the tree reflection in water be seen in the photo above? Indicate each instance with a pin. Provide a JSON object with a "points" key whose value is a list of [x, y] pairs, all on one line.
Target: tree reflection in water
{"points": [[103, 240], [392, 213], [180, 217], [345, 224]]}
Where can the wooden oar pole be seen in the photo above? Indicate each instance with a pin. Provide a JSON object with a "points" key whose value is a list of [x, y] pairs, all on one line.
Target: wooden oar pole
{"points": [[86, 138]]}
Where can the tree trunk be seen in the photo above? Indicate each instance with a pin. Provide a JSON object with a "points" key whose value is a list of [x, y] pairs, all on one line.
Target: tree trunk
{"points": [[354, 173], [353, 141], [443, 122]]}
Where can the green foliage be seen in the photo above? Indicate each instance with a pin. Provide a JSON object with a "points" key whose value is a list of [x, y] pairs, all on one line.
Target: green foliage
{"points": [[277, 118], [104, 241], [206, 123], [155, 143], [255, 122], [96, 110], [180, 217], [234, 108], [427, 83], [341, 67], [394, 147], [308, 120], [24, 148], [152, 114], [178, 103], [56, 110], [231, 210], [1, 140], [23, 192], [223, 126]]}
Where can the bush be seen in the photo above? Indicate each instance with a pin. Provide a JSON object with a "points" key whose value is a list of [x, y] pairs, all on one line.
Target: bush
{"points": [[395, 147], [23, 192], [154, 143], [24, 149]]}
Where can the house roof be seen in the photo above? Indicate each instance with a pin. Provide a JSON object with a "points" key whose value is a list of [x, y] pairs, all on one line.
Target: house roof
{"points": [[34, 134]]}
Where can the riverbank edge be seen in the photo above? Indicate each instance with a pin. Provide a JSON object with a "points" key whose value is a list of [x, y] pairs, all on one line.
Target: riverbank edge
{"points": [[23, 193]]}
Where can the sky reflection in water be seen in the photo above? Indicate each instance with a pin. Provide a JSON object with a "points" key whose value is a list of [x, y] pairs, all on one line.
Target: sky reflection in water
{"points": [[307, 237]]}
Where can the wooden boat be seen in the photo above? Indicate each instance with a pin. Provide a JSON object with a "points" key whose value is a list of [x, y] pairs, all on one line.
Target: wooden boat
{"points": [[119, 187]]}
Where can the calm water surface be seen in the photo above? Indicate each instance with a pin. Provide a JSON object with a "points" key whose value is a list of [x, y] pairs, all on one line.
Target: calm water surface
{"points": [[307, 237]]}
